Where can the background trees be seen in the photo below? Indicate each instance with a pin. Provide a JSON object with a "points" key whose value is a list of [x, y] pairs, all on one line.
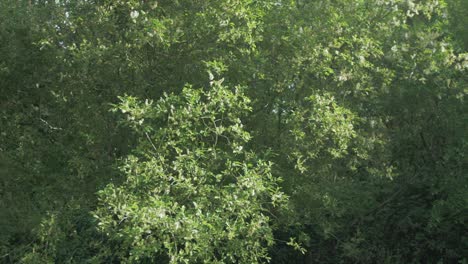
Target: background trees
{"points": [[357, 106]]}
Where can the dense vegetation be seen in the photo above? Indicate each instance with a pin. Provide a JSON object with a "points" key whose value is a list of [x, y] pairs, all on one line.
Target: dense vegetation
{"points": [[233, 131]]}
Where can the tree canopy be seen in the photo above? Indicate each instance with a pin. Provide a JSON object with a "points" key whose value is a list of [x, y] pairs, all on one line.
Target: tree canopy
{"points": [[233, 131]]}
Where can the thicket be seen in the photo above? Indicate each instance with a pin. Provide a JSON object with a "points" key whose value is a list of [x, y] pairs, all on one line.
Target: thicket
{"points": [[233, 131]]}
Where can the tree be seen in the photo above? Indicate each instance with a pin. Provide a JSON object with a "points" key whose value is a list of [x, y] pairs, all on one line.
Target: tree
{"points": [[192, 192]]}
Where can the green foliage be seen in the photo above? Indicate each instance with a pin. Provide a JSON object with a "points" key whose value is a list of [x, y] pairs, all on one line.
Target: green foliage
{"points": [[192, 193], [359, 107]]}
